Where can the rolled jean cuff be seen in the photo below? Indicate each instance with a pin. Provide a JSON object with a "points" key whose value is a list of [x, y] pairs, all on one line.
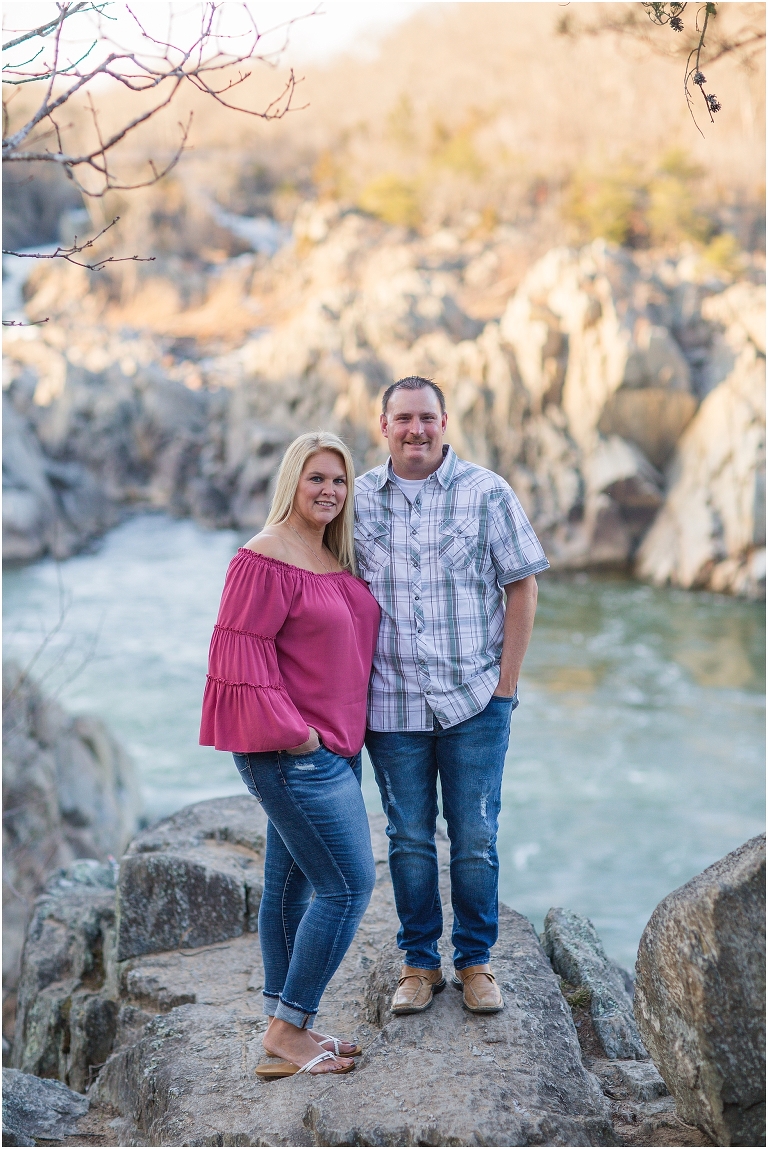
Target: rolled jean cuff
{"points": [[294, 1015], [271, 1002]]}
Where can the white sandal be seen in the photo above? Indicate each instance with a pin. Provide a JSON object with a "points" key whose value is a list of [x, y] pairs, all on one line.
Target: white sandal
{"points": [[287, 1068], [337, 1042]]}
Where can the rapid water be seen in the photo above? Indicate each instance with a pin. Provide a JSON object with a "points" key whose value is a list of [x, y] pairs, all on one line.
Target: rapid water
{"points": [[636, 756]]}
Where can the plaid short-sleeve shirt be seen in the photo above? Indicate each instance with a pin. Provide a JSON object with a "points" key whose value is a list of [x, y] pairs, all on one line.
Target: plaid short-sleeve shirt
{"points": [[437, 567]]}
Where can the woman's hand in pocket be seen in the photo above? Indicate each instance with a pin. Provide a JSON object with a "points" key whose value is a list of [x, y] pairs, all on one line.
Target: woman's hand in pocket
{"points": [[312, 743]]}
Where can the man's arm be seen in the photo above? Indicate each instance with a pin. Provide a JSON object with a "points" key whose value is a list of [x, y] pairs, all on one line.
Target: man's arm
{"points": [[518, 624]]}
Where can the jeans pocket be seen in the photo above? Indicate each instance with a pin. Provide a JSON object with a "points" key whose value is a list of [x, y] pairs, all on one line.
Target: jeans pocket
{"points": [[511, 701], [308, 761], [243, 763]]}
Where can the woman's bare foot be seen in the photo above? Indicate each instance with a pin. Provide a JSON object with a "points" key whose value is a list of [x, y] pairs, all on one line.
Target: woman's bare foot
{"points": [[298, 1046], [321, 1038], [345, 1047]]}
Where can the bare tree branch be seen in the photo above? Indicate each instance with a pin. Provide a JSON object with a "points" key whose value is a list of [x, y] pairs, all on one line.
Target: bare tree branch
{"points": [[67, 253], [744, 44], [20, 322], [46, 29], [213, 64]]}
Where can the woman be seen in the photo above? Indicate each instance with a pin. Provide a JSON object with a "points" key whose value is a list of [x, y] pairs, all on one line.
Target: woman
{"points": [[289, 665]]}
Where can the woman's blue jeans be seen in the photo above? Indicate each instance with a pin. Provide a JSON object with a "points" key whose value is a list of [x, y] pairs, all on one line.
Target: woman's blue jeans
{"points": [[318, 842], [469, 759]]}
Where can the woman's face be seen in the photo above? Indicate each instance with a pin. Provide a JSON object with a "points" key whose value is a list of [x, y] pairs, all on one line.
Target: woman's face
{"points": [[322, 489]]}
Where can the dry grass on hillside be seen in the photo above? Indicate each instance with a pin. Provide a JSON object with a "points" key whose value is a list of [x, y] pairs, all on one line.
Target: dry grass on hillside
{"points": [[471, 115], [486, 106]]}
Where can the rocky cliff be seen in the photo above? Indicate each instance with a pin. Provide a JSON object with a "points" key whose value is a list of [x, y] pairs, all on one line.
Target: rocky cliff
{"points": [[620, 394], [69, 793], [156, 1012]]}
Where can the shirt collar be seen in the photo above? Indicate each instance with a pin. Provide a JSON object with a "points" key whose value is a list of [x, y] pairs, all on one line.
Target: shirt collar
{"points": [[444, 472]]}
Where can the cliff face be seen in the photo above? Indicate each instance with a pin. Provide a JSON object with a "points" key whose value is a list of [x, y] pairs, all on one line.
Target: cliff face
{"points": [[69, 792], [600, 392]]}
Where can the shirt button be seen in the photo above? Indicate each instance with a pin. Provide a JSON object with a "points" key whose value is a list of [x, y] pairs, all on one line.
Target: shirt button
{"points": [[417, 597]]}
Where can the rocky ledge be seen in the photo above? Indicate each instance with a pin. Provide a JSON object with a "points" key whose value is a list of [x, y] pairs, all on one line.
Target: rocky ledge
{"points": [[144, 994]]}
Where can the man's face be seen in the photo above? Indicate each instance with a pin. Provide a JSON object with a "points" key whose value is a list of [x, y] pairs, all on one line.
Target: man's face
{"points": [[414, 426]]}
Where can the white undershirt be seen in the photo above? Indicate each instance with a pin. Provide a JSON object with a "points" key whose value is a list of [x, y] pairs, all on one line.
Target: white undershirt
{"points": [[409, 487]]}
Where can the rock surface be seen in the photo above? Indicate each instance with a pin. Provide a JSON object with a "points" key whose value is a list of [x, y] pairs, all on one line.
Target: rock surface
{"points": [[34, 1108], [49, 506], [578, 393], [69, 792], [179, 1030], [576, 953], [65, 1021], [207, 855], [711, 530], [700, 999]]}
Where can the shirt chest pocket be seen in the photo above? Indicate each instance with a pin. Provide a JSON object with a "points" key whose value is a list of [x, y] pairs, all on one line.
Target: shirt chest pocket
{"points": [[458, 542], [371, 547]]}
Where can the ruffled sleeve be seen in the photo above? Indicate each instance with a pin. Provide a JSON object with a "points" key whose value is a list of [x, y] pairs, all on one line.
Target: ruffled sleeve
{"points": [[246, 708]]}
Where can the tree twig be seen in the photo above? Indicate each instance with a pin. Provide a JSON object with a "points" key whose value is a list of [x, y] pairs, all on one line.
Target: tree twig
{"points": [[67, 254]]}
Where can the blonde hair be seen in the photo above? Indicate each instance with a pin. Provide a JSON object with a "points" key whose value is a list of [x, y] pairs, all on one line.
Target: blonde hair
{"points": [[339, 534]]}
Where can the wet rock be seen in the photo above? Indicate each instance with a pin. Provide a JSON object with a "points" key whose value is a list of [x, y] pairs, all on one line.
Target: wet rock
{"points": [[577, 954], [192, 880], [69, 792], [35, 1108], [700, 996]]}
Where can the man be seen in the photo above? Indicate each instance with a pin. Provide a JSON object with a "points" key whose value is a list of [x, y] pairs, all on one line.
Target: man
{"points": [[441, 542]]}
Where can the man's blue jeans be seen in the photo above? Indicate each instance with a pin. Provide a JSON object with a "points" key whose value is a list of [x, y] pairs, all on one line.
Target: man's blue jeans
{"points": [[469, 759], [317, 841]]}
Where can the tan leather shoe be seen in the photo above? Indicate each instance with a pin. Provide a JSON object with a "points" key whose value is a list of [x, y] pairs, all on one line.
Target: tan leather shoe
{"points": [[415, 989], [481, 993]]}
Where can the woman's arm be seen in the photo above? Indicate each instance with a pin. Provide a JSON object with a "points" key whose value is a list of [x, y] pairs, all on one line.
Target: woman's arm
{"points": [[246, 707]]}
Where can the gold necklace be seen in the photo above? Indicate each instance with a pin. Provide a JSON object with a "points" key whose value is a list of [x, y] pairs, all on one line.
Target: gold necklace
{"points": [[312, 549]]}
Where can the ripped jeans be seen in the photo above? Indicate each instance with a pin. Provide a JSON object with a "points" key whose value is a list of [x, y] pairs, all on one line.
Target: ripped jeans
{"points": [[318, 842], [469, 758]]}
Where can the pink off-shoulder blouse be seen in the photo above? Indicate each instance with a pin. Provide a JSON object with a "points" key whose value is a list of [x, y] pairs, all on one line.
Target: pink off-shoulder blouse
{"points": [[290, 649]]}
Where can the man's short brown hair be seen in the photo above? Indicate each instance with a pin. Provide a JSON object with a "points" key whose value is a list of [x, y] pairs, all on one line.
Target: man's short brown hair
{"points": [[412, 383]]}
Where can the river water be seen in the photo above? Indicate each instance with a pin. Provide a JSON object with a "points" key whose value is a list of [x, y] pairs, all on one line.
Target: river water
{"points": [[636, 756]]}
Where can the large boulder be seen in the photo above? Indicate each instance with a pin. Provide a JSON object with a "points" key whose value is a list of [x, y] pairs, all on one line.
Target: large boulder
{"points": [[35, 1108], [193, 879], [521, 1072], [576, 953], [700, 996], [66, 1014], [69, 792]]}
